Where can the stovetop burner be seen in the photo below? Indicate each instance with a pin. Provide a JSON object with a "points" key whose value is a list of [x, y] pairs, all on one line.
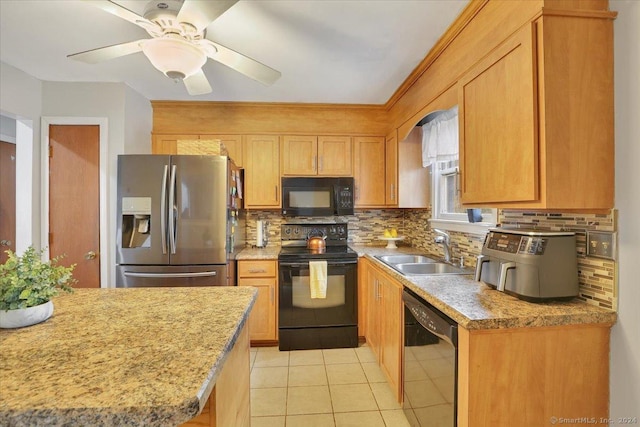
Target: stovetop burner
{"points": [[294, 241]]}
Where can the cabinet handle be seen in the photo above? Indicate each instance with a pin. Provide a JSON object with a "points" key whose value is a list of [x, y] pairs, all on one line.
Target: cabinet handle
{"points": [[357, 192], [321, 164], [257, 270], [313, 164], [393, 197], [277, 193], [271, 293]]}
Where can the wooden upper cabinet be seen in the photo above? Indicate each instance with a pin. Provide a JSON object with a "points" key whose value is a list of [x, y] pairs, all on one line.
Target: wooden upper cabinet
{"points": [[316, 155], [168, 144], [498, 132], [536, 118], [299, 155], [334, 156], [262, 171], [233, 143], [391, 169], [369, 168]]}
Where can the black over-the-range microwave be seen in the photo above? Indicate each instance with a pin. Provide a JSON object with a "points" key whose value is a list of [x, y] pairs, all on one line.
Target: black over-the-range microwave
{"points": [[317, 196]]}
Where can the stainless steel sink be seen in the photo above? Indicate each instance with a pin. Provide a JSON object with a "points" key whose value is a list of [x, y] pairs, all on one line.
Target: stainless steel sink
{"points": [[419, 265], [424, 269], [405, 259]]}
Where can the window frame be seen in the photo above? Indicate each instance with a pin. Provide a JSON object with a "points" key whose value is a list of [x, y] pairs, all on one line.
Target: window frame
{"points": [[454, 221]]}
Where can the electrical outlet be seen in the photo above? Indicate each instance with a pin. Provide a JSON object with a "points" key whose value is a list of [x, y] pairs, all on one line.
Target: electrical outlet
{"points": [[601, 244]]}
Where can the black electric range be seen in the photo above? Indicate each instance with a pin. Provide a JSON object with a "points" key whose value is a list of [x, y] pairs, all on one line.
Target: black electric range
{"points": [[305, 320]]}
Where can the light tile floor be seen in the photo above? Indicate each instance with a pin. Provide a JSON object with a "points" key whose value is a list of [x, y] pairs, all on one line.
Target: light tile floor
{"points": [[318, 388]]}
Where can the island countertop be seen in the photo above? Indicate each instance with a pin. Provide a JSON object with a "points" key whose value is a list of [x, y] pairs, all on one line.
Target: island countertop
{"points": [[145, 356]]}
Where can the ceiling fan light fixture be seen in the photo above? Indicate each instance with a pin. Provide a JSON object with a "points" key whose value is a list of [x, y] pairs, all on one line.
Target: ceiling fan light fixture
{"points": [[174, 57]]}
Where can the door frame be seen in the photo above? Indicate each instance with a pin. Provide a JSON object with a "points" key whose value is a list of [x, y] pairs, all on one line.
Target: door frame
{"points": [[102, 122]]}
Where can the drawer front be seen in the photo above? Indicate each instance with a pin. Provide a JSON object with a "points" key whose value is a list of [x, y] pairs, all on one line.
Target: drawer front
{"points": [[257, 268]]}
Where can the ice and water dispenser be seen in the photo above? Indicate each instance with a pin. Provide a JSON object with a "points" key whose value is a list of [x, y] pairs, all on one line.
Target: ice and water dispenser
{"points": [[136, 222]]}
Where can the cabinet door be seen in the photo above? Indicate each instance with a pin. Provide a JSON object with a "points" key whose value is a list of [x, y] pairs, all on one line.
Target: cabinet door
{"points": [[262, 172], [369, 168], [391, 169], [262, 320], [233, 144], [168, 144], [334, 156], [373, 310], [299, 155], [498, 124], [392, 311]]}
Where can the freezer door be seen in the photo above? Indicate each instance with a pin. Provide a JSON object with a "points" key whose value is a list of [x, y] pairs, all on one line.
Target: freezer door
{"points": [[198, 210], [149, 276], [142, 209]]}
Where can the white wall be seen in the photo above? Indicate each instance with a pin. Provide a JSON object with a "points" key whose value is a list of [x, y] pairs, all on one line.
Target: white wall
{"points": [[129, 118], [625, 339], [21, 100]]}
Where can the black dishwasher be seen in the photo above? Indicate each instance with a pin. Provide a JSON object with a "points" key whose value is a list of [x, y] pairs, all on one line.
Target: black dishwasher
{"points": [[430, 364]]}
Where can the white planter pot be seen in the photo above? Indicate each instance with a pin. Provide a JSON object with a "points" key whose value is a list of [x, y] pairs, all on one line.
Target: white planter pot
{"points": [[26, 316]]}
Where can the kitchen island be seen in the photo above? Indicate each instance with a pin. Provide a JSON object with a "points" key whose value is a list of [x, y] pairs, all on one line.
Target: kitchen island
{"points": [[126, 357]]}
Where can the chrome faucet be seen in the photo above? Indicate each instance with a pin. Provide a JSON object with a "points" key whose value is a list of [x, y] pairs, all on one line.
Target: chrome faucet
{"points": [[445, 240]]}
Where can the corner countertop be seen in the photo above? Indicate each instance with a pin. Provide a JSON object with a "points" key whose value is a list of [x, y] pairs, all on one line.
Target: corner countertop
{"points": [[474, 305], [143, 356]]}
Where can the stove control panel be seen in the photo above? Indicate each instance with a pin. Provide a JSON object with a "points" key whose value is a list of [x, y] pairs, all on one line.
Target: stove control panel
{"points": [[334, 232]]}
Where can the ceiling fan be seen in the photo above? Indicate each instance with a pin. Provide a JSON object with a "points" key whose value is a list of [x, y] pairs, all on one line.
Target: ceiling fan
{"points": [[178, 46]]}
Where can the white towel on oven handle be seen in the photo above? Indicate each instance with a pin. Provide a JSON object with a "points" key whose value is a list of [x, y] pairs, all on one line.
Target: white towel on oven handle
{"points": [[318, 279]]}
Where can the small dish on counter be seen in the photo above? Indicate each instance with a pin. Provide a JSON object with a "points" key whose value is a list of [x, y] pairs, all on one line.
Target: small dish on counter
{"points": [[391, 241]]}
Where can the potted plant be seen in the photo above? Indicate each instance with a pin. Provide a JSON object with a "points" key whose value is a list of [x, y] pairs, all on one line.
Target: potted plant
{"points": [[27, 285]]}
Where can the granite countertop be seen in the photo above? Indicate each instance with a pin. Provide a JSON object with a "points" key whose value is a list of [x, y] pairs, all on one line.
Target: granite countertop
{"points": [[119, 357], [254, 253], [474, 305]]}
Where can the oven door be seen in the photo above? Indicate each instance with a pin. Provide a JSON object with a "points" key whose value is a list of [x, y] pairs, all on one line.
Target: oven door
{"points": [[298, 310]]}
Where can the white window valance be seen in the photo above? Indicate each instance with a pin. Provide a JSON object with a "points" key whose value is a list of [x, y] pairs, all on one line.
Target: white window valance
{"points": [[440, 137]]}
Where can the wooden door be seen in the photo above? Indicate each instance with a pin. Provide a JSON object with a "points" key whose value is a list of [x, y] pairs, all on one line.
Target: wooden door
{"points": [[74, 199], [369, 170], [335, 156], [7, 199], [262, 172], [391, 169], [299, 155], [498, 125]]}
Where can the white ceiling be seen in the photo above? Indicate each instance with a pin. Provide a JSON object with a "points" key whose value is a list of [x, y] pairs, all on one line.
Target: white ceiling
{"points": [[329, 51]]}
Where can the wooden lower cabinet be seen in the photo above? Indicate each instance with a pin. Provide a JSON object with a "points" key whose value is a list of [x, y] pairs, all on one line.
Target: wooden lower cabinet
{"points": [[528, 376], [262, 274], [384, 323], [229, 404]]}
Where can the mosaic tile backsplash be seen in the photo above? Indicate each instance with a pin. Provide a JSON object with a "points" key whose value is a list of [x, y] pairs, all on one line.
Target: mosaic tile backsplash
{"points": [[597, 276]]}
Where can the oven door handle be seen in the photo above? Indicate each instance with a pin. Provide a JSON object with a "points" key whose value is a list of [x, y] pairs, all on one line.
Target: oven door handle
{"points": [[306, 264]]}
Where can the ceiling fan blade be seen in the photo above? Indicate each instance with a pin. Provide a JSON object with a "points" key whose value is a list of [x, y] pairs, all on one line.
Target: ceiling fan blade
{"points": [[100, 54], [197, 84], [123, 12], [201, 13], [241, 63]]}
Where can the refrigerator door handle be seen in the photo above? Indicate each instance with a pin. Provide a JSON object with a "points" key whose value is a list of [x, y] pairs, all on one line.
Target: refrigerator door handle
{"points": [[171, 275], [163, 210], [173, 210]]}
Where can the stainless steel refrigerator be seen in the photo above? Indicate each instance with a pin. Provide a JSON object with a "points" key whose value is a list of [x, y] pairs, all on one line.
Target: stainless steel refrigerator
{"points": [[180, 220]]}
